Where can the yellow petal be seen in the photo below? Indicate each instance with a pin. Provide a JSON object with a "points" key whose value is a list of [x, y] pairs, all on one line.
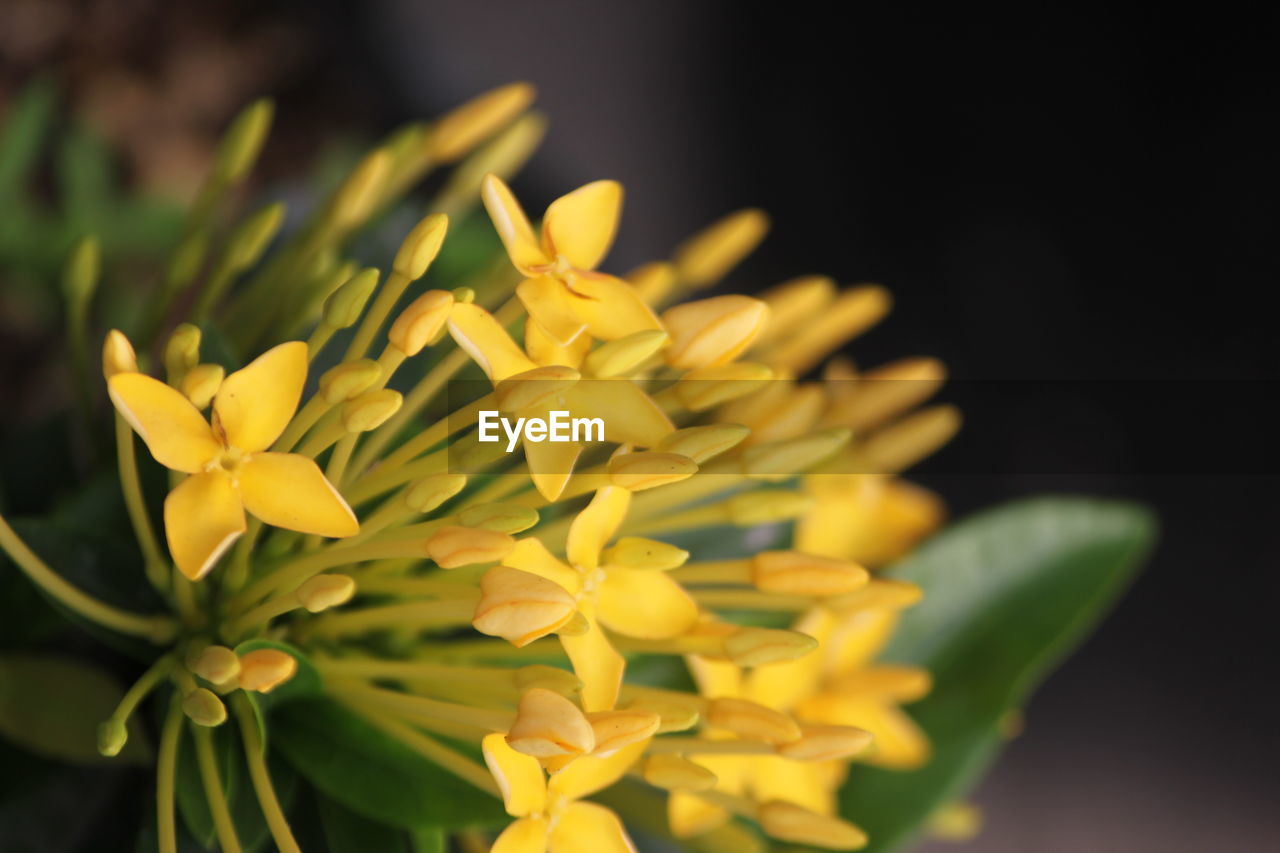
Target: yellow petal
{"points": [[630, 415], [611, 308], [545, 349], [174, 430], [549, 725], [804, 783], [287, 490], [476, 331], [551, 465], [511, 224], [551, 307], [589, 828], [785, 684], [898, 743], [580, 226], [592, 773], [527, 835], [519, 776], [596, 662], [592, 529], [858, 638], [255, 403], [644, 604], [202, 517], [689, 815], [530, 555], [715, 677]]}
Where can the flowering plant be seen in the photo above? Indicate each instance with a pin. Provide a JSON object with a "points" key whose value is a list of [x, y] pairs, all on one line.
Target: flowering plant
{"points": [[358, 625]]}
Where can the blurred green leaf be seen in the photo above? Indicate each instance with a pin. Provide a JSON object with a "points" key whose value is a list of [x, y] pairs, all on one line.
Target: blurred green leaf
{"points": [[427, 840], [1009, 592], [83, 170], [23, 134], [348, 832], [52, 705], [371, 773]]}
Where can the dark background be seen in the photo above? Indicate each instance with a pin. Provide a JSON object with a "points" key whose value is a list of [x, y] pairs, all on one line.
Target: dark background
{"points": [[1075, 210]]}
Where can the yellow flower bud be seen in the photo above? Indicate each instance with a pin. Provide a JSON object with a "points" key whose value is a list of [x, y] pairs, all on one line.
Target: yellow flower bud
{"points": [[852, 313], [766, 507], [789, 822], [520, 606], [187, 259], [505, 518], [900, 445], [242, 142], [795, 303], [759, 646], [470, 124], [204, 708], [354, 200], [249, 240], [879, 594], [899, 683], [701, 443], [519, 392], [673, 773], [113, 734], [321, 592], [216, 664], [370, 410], [634, 552], [707, 256], [826, 743], [782, 460], [430, 492], [715, 331], [118, 355], [451, 547], [699, 390], [263, 670], [549, 725], [675, 714], [553, 678], [349, 380], [793, 573], [421, 322], [344, 306], [503, 156], [886, 392], [621, 356], [646, 470], [616, 729], [80, 274], [182, 352], [201, 383], [751, 720], [653, 281], [420, 248]]}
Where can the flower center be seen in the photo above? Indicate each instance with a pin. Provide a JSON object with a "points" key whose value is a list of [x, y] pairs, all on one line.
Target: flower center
{"points": [[231, 459]]}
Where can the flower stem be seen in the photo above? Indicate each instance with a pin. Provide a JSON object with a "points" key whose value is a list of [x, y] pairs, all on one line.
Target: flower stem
{"points": [[131, 485], [214, 793], [261, 776], [143, 686], [157, 629], [166, 773]]}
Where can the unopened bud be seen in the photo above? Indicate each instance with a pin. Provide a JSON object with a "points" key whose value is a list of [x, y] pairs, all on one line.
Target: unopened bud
{"points": [[751, 720], [673, 773], [634, 552], [549, 725], [349, 380], [636, 472], [204, 708], [187, 259], [420, 248], [794, 303], [263, 670], [701, 443], [243, 140], [623, 355], [900, 683], [616, 729], [707, 256], [321, 592], [759, 646], [826, 743], [789, 822], [535, 386], [887, 391], [249, 240], [782, 460], [113, 734], [118, 355], [344, 306], [653, 281], [80, 275], [202, 382], [851, 313], [475, 121], [520, 606], [421, 322], [879, 594], [370, 410], [216, 664], [451, 547], [182, 352], [553, 678], [430, 492], [354, 199], [504, 518], [699, 390], [900, 445], [794, 573], [766, 507], [715, 331], [674, 714]]}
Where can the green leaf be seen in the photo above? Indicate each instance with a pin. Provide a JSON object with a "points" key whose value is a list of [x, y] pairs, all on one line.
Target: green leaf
{"points": [[1008, 593], [349, 832], [52, 705], [371, 773], [22, 136], [427, 840]]}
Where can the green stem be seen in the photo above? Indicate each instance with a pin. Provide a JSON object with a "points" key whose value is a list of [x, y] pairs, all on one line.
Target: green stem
{"points": [[214, 793], [166, 773], [261, 776], [157, 566]]}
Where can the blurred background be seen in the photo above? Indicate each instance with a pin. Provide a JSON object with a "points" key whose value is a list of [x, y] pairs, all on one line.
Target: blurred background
{"points": [[1077, 212]]}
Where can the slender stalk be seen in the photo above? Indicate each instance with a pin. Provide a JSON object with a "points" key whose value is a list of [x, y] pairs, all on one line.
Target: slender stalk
{"points": [[415, 615], [420, 707], [261, 776], [166, 774], [700, 746], [714, 572], [142, 687], [388, 295], [750, 599], [157, 567], [289, 575], [214, 793], [158, 629]]}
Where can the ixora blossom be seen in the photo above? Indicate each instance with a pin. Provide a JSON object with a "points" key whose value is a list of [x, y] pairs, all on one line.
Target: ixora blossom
{"points": [[418, 599]]}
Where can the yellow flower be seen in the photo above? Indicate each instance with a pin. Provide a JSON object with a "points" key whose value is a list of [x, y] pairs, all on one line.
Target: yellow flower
{"points": [[563, 293], [550, 814], [230, 468]]}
